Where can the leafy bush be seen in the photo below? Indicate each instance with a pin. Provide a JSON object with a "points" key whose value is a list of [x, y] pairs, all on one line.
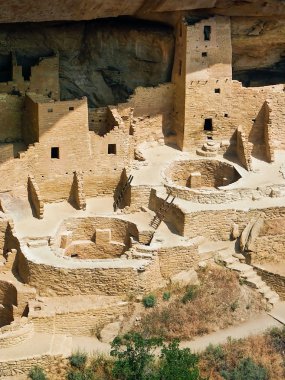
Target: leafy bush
{"points": [[84, 374], [37, 373], [149, 301], [246, 369], [166, 296], [191, 293], [176, 363], [134, 357], [215, 356], [78, 359], [277, 337], [234, 305]]}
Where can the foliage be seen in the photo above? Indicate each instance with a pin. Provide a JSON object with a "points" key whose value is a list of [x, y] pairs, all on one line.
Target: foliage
{"points": [[37, 373], [166, 296], [246, 369], [278, 339], [234, 305], [176, 363], [135, 356], [190, 294], [78, 359], [149, 301], [83, 374]]}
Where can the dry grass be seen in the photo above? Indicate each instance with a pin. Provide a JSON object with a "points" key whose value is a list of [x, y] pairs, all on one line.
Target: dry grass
{"points": [[220, 301], [259, 348]]}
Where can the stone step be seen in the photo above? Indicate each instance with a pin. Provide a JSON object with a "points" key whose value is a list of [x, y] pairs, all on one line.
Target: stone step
{"points": [[273, 300], [240, 267], [269, 294], [37, 243], [239, 256], [254, 282], [230, 260], [264, 289]]}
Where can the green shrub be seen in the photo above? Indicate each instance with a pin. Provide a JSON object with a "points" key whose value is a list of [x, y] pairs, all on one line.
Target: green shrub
{"points": [[234, 305], [134, 357], [166, 296], [190, 294], [37, 373], [215, 356], [246, 369], [84, 374], [277, 337], [149, 301], [78, 359], [176, 363]]}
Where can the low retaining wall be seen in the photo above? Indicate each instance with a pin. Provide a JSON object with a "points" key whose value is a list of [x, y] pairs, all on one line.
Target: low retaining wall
{"points": [[15, 333], [274, 280]]}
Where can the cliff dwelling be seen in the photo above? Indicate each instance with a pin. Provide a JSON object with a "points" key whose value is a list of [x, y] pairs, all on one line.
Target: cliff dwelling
{"points": [[134, 149]]}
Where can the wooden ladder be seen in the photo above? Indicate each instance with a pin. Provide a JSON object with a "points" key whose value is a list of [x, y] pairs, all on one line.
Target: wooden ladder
{"points": [[120, 197], [159, 216]]}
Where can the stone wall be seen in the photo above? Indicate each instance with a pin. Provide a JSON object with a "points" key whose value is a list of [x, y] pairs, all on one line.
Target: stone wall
{"points": [[35, 198], [10, 118], [153, 111], [46, 362], [77, 322], [214, 173], [104, 279], [274, 280]]}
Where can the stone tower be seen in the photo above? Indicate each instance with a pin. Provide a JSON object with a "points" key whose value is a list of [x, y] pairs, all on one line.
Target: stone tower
{"points": [[203, 78]]}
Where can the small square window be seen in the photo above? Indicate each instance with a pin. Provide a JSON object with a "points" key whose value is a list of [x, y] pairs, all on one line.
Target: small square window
{"points": [[50, 110], [112, 149], [71, 108], [204, 54], [217, 90], [54, 152], [226, 115]]}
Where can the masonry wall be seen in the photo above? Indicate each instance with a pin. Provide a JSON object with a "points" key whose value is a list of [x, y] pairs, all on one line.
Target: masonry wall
{"points": [[30, 120], [173, 260], [274, 280], [10, 118], [52, 280], [81, 322], [45, 77], [217, 224], [153, 112]]}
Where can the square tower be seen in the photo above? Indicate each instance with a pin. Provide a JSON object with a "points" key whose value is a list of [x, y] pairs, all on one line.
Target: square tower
{"points": [[203, 77]]}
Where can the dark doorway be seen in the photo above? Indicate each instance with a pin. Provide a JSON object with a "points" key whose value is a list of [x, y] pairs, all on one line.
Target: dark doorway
{"points": [[6, 72], [112, 149], [55, 152], [208, 125], [207, 33]]}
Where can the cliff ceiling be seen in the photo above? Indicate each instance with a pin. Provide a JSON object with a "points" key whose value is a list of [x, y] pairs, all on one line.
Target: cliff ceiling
{"points": [[51, 10]]}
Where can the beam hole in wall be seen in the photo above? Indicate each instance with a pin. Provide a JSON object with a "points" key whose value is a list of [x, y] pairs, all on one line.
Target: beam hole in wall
{"points": [[71, 108], [209, 137], [226, 115], [112, 149], [217, 90], [207, 32], [204, 54], [54, 152], [208, 125], [50, 110]]}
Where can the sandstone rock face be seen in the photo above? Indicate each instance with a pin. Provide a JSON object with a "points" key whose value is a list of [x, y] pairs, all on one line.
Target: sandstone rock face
{"points": [[103, 60], [24, 11]]}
